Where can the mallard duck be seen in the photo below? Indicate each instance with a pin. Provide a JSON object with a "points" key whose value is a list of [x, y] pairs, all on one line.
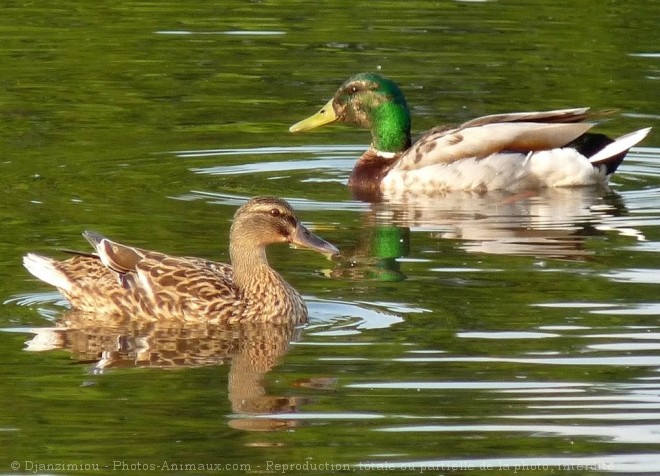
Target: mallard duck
{"points": [[516, 151], [120, 280]]}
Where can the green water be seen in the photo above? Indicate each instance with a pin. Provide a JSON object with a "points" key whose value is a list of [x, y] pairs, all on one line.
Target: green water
{"points": [[471, 334]]}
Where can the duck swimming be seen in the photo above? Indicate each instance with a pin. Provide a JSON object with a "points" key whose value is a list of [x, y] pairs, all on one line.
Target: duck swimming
{"points": [[515, 151], [120, 280]]}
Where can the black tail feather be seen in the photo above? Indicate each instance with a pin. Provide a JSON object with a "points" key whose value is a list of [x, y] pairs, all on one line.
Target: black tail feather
{"points": [[590, 143]]}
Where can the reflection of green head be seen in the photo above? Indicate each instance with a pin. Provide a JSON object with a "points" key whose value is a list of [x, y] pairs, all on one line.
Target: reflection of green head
{"points": [[391, 241]]}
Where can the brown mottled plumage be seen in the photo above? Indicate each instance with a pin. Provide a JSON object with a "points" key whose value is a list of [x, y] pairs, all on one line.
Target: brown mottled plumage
{"points": [[120, 280]]}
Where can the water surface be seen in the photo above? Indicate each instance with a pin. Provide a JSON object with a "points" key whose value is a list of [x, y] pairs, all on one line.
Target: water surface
{"points": [[473, 332]]}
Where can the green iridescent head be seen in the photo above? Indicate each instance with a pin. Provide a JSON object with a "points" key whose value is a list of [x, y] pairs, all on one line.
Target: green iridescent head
{"points": [[371, 101]]}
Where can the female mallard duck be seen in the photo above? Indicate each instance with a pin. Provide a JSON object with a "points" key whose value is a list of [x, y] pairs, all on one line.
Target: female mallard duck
{"points": [[514, 151], [120, 280]]}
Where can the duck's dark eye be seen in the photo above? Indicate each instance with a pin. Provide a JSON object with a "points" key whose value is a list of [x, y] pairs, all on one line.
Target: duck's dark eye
{"points": [[274, 212], [354, 89]]}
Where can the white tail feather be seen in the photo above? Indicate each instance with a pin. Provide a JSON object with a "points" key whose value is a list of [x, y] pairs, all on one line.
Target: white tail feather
{"points": [[44, 269], [620, 144]]}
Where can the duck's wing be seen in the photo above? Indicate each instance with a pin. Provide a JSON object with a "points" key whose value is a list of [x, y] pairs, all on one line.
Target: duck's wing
{"points": [[166, 277], [176, 279], [446, 146], [119, 258], [559, 115]]}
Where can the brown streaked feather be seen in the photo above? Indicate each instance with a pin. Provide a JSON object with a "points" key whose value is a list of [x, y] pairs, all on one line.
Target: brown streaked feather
{"points": [[91, 278]]}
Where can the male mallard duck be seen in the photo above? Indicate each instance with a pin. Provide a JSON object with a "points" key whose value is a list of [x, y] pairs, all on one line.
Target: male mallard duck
{"points": [[120, 280], [514, 151]]}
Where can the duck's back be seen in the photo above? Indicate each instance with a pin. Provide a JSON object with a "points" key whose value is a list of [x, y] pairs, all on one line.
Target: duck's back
{"points": [[161, 287], [184, 288]]}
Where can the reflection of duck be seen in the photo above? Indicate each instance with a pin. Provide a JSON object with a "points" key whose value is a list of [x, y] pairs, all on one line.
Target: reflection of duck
{"points": [[551, 223], [252, 349], [548, 223], [376, 254], [505, 151], [122, 280]]}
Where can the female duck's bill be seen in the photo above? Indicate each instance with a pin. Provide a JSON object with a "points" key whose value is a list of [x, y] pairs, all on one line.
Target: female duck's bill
{"points": [[513, 151], [120, 280]]}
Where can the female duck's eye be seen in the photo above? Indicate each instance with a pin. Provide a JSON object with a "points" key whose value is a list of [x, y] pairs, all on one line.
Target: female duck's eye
{"points": [[275, 212], [354, 89]]}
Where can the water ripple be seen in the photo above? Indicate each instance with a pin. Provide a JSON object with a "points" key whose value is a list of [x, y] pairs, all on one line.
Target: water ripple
{"points": [[620, 361], [297, 203], [619, 463], [648, 434], [510, 385], [225, 32]]}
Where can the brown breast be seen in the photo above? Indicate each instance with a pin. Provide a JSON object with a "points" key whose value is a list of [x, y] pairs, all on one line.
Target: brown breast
{"points": [[367, 174]]}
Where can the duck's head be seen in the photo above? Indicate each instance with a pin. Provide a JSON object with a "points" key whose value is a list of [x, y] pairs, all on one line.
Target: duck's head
{"points": [[267, 220], [371, 101]]}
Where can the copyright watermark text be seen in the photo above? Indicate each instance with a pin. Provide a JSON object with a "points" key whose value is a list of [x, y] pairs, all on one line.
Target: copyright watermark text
{"points": [[29, 466], [308, 466]]}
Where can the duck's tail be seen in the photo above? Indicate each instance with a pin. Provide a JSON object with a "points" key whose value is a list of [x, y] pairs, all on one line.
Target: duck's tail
{"points": [[46, 269], [610, 154]]}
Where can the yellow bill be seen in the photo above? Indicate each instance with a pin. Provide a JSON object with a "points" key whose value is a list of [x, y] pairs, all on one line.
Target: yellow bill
{"points": [[325, 116]]}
